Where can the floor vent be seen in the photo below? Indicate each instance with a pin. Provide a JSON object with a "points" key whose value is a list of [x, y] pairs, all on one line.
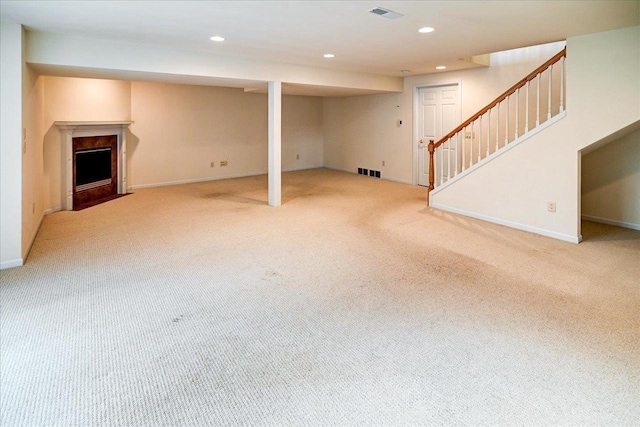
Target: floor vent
{"points": [[369, 172]]}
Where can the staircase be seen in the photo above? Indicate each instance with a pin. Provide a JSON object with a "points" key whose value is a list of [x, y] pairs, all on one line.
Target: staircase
{"points": [[534, 103]]}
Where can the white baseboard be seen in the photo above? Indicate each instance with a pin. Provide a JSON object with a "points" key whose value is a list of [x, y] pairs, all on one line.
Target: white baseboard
{"points": [[517, 226], [53, 210], [25, 255], [192, 181], [335, 168], [386, 178], [612, 222], [304, 168], [401, 181], [217, 178], [11, 264]]}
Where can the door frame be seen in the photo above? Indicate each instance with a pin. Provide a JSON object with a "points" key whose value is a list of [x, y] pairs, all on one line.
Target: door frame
{"points": [[416, 107]]}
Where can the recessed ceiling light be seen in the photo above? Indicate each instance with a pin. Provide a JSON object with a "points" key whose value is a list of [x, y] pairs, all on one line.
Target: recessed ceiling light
{"points": [[405, 71], [441, 67], [329, 55], [426, 30], [217, 39]]}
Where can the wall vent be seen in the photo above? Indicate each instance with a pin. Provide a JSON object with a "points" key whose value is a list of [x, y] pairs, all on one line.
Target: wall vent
{"points": [[389, 14], [369, 172]]}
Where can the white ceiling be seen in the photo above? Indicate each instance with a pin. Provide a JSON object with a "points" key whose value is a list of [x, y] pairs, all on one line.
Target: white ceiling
{"points": [[300, 32]]}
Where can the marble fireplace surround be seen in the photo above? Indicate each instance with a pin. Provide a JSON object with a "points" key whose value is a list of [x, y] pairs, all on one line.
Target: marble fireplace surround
{"points": [[70, 130]]}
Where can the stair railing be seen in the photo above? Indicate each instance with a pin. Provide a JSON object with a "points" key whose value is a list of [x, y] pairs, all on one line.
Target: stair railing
{"points": [[500, 122]]}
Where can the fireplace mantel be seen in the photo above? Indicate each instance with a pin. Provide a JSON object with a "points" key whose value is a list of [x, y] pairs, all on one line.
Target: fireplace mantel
{"points": [[70, 130]]}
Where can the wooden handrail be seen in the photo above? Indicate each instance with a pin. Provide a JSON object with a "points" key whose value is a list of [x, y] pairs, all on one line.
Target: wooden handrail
{"points": [[499, 99]]}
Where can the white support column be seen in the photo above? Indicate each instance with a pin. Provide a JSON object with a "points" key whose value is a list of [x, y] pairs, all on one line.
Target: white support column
{"points": [[275, 143]]}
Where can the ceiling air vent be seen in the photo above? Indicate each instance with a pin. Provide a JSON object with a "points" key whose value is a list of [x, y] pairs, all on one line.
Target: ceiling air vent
{"points": [[390, 14]]}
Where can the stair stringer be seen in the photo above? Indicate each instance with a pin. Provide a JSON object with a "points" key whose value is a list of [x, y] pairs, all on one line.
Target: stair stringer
{"points": [[498, 153]]}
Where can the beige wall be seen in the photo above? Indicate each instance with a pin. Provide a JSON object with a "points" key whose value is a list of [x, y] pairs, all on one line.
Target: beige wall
{"points": [[180, 129], [72, 99], [363, 131], [611, 182], [33, 195], [603, 96]]}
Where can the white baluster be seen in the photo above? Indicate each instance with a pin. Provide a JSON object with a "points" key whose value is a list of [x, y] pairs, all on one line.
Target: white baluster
{"points": [[471, 146], [488, 133], [538, 101], [562, 84], [498, 126], [464, 149], [457, 155], [506, 125], [515, 135], [526, 110], [449, 161], [442, 164], [479, 137], [550, 83]]}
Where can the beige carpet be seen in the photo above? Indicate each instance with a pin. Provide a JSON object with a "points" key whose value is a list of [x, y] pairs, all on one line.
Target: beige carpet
{"points": [[352, 304]]}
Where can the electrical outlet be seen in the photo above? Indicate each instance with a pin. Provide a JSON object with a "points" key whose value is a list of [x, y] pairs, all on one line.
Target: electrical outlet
{"points": [[383, 163], [551, 206], [297, 156], [213, 164], [224, 163]]}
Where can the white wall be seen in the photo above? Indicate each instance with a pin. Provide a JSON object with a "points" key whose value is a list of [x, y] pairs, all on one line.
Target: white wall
{"points": [[603, 96], [302, 132], [362, 131], [180, 129], [611, 182], [11, 43]]}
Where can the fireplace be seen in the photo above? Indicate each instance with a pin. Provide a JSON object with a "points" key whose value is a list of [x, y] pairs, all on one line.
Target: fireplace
{"points": [[93, 162]]}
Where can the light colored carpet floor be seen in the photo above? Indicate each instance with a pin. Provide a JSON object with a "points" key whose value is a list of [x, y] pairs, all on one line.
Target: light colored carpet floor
{"points": [[351, 304]]}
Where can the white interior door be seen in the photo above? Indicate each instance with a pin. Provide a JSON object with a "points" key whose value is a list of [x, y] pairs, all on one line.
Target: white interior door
{"points": [[438, 114]]}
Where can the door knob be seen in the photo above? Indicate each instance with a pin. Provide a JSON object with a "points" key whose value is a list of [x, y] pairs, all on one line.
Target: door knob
{"points": [[421, 141]]}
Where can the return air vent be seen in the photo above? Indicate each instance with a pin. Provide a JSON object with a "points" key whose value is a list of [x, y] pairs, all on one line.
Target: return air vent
{"points": [[390, 14], [369, 172]]}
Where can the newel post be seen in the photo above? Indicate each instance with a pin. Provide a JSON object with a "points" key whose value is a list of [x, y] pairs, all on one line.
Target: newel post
{"points": [[432, 148]]}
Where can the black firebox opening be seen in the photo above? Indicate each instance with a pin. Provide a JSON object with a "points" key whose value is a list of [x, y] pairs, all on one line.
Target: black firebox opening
{"points": [[93, 165]]}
